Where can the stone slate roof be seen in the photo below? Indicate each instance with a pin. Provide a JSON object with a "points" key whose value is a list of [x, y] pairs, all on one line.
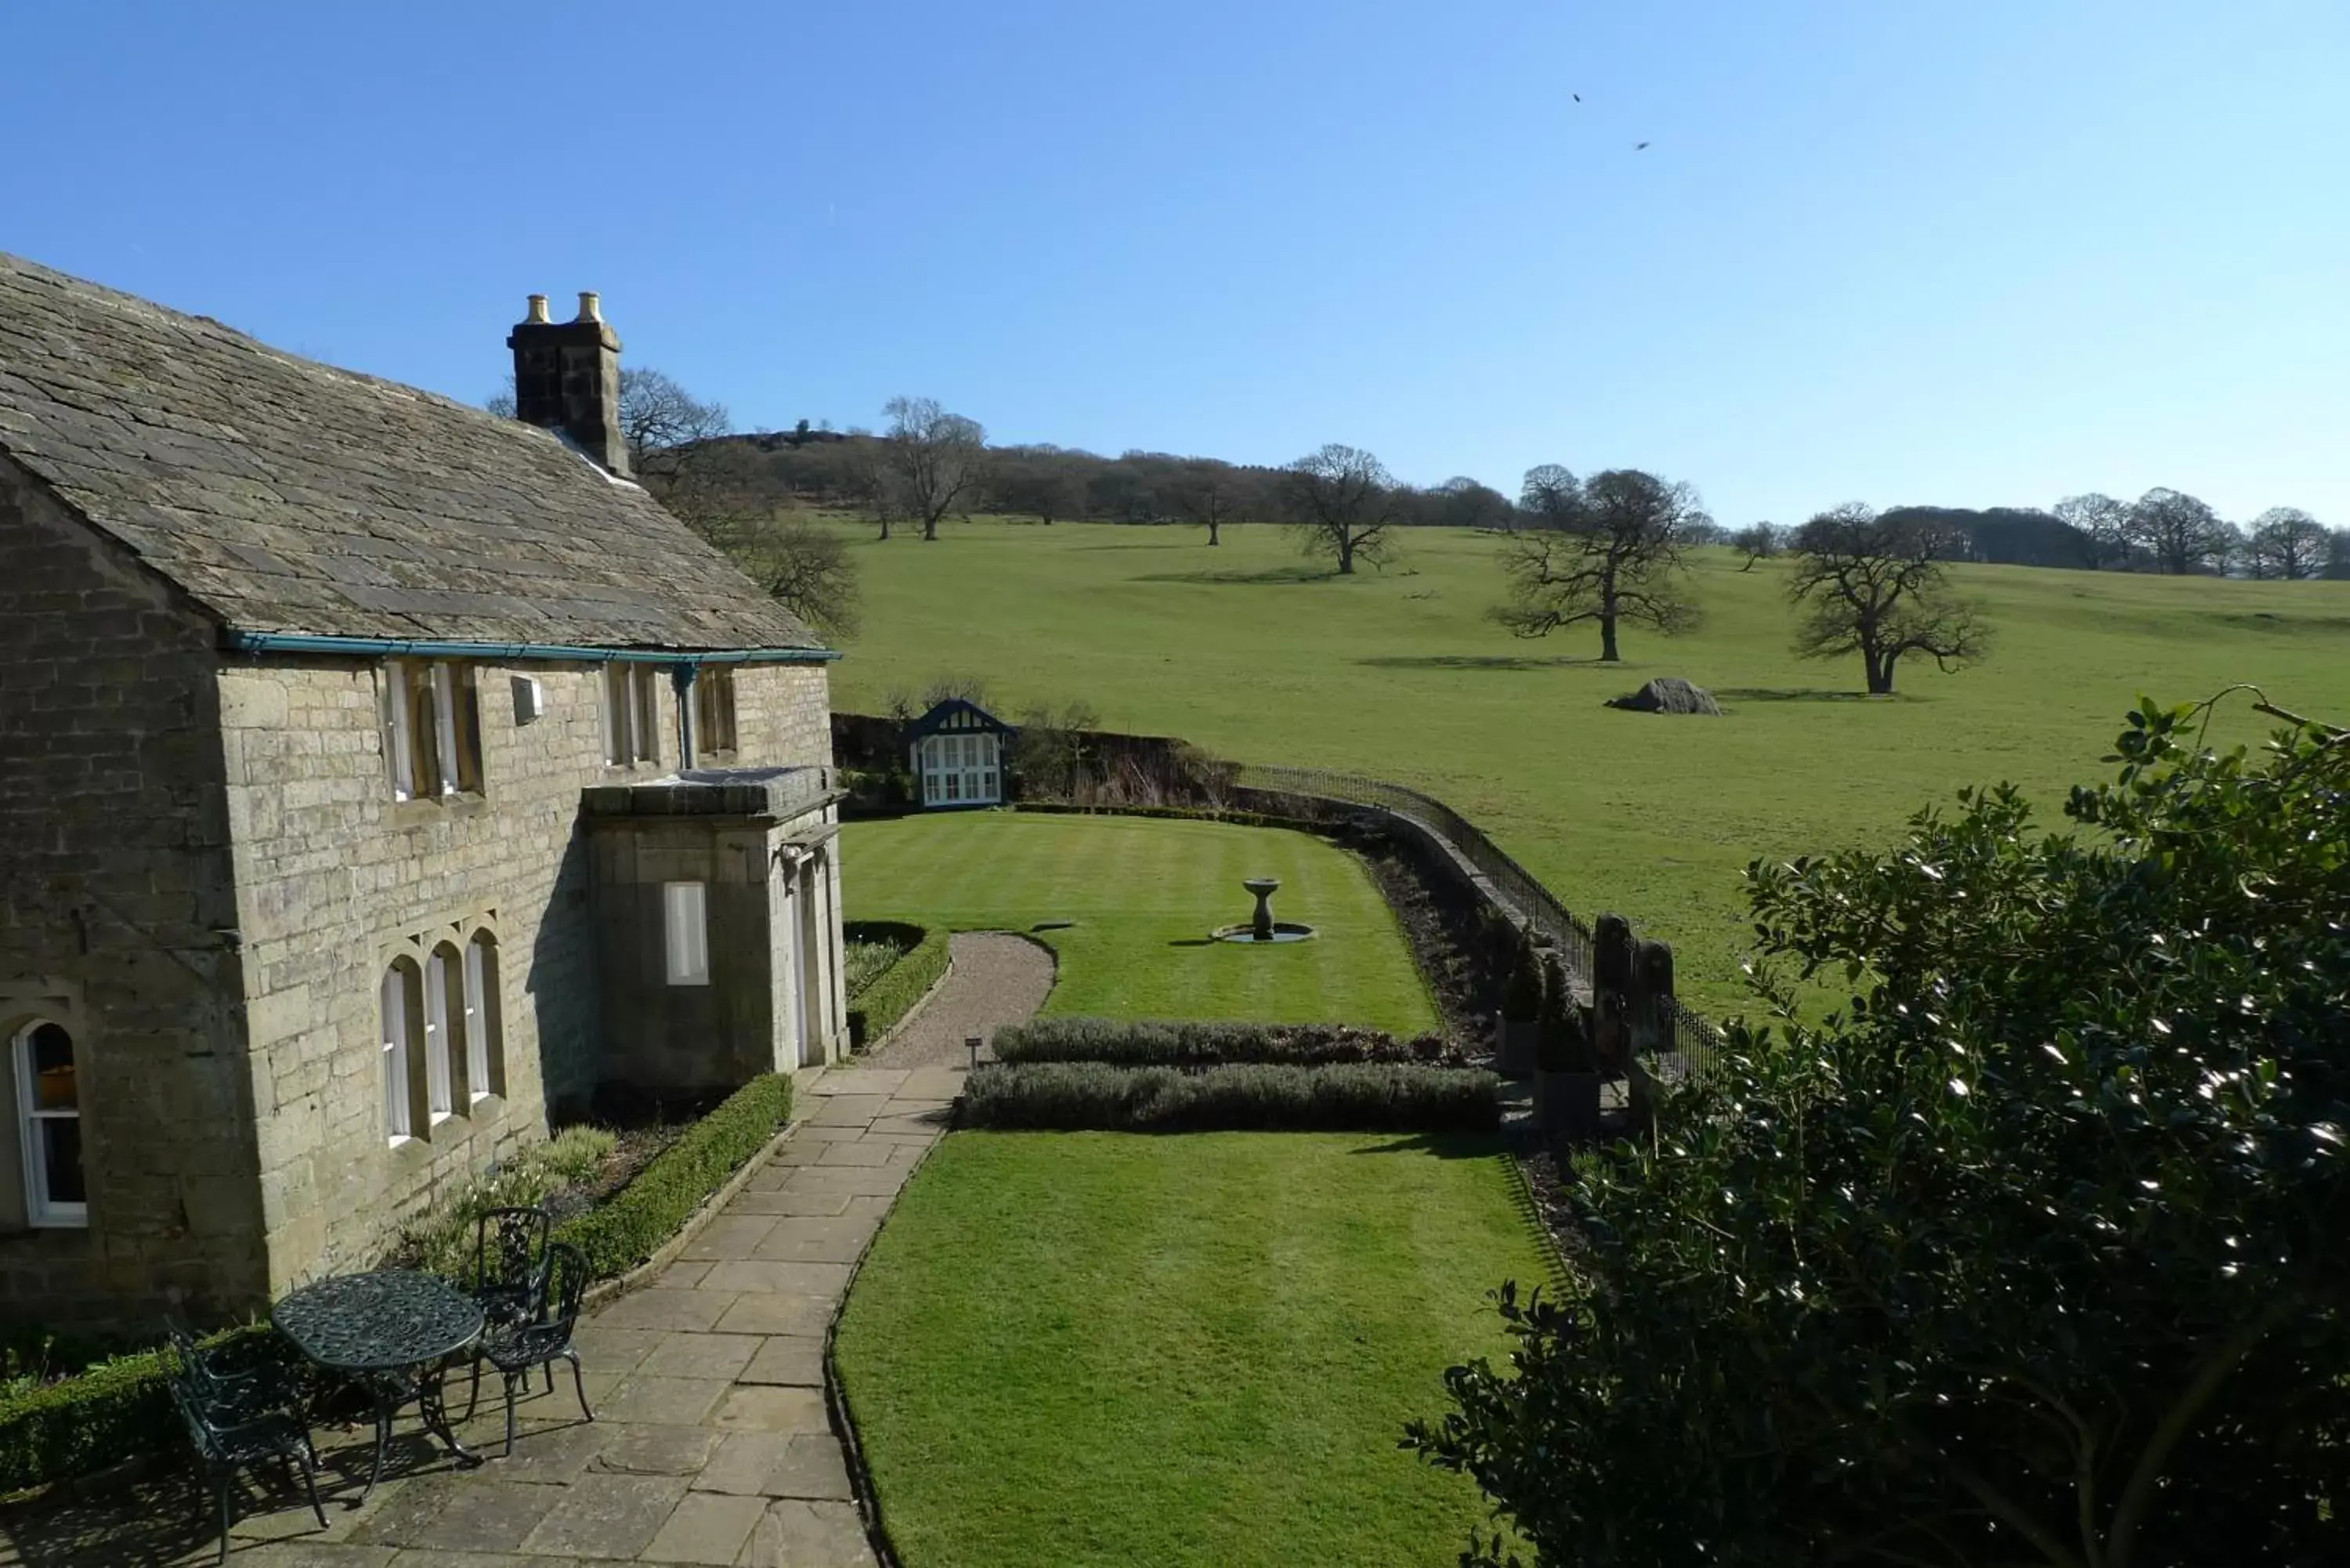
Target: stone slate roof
{"points": [[285, 495]]}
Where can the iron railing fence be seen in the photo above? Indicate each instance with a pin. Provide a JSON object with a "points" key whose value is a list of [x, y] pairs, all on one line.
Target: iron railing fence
{"points": [[1695, 1039]]}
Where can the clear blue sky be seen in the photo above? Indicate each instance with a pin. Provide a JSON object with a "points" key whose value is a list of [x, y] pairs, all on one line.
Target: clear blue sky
{"points": [[1971, 251]]}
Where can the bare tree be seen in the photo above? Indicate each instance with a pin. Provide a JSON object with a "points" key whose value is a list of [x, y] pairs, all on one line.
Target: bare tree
{"points": [[660, 420], [1341, 500], [713, 487], [1757, 541], [2286, 542], [933, 460], [1608, 551], [868, 481], [1549, 496], [803, 565], [2104, 525], [1208, 492], [2181, 534], [1466, 504], [1877, 588], [2337, 554], [1038, 480]]}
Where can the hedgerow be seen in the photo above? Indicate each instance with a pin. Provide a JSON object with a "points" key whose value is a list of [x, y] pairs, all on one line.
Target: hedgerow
{"points": [[1348, 1097], [1187, 1043], [116, 1410]]}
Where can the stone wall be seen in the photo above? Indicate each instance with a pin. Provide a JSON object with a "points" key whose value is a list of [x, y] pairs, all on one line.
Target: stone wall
{"points": [[334, 877], [117, 919]]}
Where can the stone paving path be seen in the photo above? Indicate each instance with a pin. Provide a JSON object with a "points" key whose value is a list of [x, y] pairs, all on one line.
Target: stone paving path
{"points": [[711, 1444]]}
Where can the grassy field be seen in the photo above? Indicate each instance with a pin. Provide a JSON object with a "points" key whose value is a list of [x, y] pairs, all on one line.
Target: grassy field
{"points": [[1143, 894], [1115, 1348], [1247, 652]]}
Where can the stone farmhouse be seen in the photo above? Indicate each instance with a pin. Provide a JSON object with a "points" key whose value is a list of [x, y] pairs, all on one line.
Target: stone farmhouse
{"points": [[377, 776]]}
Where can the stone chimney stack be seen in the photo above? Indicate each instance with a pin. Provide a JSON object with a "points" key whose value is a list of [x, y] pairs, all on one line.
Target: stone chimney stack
{"points": [[568, 377]]}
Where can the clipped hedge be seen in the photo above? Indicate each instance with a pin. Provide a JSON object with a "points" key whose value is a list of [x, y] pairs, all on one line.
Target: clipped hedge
{"points": [[874, 1010], [1356, 1097], [115, 1411], [633, 1225], [1187, 1043]]}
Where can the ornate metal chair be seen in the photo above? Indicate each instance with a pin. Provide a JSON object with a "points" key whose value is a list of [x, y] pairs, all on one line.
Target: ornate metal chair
{"points": [[237, 1420], [509, 1271], [543, 1336]]}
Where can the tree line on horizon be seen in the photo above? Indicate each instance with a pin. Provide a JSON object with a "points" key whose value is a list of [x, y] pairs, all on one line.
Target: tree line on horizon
{"points": [[2163, 531], [1609, 549]]}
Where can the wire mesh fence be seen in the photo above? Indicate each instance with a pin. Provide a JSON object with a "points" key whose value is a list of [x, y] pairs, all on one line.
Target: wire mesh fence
{"points": [[1695, 1041]]}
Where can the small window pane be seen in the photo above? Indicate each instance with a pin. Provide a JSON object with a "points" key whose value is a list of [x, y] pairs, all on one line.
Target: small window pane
{"points": [[478, 977], [645, 730], [617, 750], [53, 1069], [444, 725], [61, 1158], [395, 1054], [395, 731], [685, 919], [438, 1041]]}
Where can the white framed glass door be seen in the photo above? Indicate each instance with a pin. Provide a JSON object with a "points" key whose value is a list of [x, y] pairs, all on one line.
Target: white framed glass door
{"points": [[961, 770]]}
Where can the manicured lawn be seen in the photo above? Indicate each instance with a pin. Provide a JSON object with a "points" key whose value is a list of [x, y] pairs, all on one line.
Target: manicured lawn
{"points": [[1242, 650], [1144, 893], [1116, 1348]]}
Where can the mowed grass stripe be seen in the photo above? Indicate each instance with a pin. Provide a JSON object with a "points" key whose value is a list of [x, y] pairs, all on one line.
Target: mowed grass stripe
{"points": [[1144, 894], [1096, 1348]]}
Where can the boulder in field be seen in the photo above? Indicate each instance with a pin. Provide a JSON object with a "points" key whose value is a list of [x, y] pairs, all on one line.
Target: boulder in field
{"points": [[1669, 694]]}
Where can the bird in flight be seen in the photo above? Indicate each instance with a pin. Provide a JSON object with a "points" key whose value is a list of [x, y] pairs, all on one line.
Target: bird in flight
{"points": [[1577, 97], [1643, 147]]}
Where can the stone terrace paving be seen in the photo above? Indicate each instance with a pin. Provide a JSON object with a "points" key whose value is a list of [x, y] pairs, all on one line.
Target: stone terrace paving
{"points": [[711, 1444]]}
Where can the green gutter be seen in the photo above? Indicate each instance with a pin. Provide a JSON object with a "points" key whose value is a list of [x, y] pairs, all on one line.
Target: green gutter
{"points": [[510, 652]]}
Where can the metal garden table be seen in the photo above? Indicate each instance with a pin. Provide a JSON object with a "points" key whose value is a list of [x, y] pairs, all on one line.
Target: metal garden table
{"points": [[394, 1331]]}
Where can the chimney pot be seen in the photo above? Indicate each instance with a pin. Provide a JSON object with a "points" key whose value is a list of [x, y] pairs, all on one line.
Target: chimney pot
{"points": [[568, 377]]}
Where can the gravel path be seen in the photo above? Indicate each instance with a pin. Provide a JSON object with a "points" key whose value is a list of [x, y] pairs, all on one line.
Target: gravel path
{"points": [[998, 979]]}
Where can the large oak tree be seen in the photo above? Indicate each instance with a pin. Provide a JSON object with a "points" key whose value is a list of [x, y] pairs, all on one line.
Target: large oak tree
{"points": [[1343, 503], [932, 462], [2180, 533], [1864, 584], [1606, 551]]}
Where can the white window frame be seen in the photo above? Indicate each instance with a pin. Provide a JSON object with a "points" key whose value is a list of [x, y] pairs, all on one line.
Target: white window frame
{"points": [[448, 746], [398, 731], [392, 1010], [631, 714], [962, 769], [40, 1209], [685, 932], [444, 725], [481, 1018], [439, 1037]]}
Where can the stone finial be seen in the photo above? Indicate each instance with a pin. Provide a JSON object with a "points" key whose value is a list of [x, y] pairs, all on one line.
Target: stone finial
{"points": [[537, 309], [591, 305], [1611, 953]]}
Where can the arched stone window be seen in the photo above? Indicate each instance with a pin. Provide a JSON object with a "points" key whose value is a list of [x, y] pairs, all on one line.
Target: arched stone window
{"points": [[406, 1110], [444, 1062], [48, 1123], [485, 1065]]}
